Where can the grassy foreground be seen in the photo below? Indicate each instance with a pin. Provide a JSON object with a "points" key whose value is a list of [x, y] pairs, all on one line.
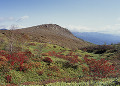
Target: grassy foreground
{"points": [[37, 64]]}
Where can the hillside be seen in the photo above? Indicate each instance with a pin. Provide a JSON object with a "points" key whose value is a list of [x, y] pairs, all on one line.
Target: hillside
{"points": [[24, 62], [54, 34], [98, 38], [54, 65], [31, 56]]}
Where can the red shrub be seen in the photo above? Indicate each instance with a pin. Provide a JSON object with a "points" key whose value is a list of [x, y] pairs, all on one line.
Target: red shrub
{"points": [[99, 68], [49, 74], [28, 53], [24, 67], [85, 68], [48, 60], [72, 58], [8, 78], [17, 59]]}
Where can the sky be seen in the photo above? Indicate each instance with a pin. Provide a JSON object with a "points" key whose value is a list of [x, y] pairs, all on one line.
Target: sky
{"points": [[76, 15]]}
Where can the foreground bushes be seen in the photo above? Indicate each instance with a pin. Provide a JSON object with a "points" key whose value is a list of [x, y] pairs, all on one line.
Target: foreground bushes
{"points": [[100, 68], [69, 66], [14, 61], [71, 57]]}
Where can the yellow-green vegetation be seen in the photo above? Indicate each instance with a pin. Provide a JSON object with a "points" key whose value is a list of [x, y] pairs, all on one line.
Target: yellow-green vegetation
{"points": [[105, 82], [49, 64]]}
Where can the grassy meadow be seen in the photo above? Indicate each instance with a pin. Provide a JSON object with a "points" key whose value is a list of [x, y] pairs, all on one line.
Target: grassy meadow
{"points": [[26, 63]]}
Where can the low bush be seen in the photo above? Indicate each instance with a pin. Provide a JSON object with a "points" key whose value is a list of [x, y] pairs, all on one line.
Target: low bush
{"points": [[70, 65], [48, 60], [71, 57], [8, 78], [40, 72], [53, 68], [100, 68], [98, 49]]}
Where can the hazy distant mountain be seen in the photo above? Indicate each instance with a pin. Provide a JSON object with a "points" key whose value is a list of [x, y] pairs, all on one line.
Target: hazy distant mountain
{"points": [[98, 38], [3, 29]]}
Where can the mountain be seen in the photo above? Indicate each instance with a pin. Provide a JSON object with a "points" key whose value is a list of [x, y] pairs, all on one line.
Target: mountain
{"points": [[97, 38], [3, 29], [54, 34]]}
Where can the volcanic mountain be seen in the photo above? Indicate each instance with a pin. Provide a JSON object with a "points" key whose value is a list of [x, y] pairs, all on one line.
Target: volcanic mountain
{"points": [[54, 34]]}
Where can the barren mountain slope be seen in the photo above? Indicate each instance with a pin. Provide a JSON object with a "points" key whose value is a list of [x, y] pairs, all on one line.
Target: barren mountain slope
{"points": [[52, 33]]}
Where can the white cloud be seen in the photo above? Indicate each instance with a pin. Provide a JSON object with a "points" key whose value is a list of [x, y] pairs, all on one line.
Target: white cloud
{"points": [[112, 29], [6, 19], [22, 18], [11, 26], [109, 29], [19, 26], [3, 26], [9, 19], [80, 28]]}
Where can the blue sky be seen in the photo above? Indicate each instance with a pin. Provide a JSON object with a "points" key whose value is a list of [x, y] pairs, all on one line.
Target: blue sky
{"points": [[75, 15]]}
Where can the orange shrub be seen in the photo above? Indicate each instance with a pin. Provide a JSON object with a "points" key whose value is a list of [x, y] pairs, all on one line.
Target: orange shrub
{"points": [[45, 54], [24, 67], [37, 64], [3, 58]]}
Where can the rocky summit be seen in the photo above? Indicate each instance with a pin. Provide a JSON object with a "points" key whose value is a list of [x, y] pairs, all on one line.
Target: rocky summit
{"points": [[54, 34]]}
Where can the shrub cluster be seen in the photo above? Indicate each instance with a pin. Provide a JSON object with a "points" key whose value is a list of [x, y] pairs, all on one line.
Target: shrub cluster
{"points": [[8, 78], [54, 68], [100, 68], [98, 49], [48, 60], [16, 60], [40, 72], [71, 57]]}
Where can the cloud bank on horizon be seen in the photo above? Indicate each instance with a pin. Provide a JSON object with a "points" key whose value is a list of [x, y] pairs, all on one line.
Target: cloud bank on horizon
{"points": [[108, 29]]}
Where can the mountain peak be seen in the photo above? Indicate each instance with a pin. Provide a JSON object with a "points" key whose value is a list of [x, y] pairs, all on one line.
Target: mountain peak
{"points": [[53, 27], [55, 34]]}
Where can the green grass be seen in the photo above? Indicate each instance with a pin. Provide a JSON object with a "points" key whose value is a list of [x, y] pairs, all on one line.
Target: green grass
{"points": [[31, 75], [82, 83]]}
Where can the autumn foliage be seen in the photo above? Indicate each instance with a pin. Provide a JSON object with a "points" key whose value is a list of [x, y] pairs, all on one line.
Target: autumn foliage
{"points": [[71, 57], [100, 68], [47, 59], [8, 78], [16, 60]]}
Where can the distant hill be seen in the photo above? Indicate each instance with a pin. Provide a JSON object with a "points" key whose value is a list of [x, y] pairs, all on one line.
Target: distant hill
{"points": [[97, 38], [54, 34], [3, 29]]}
